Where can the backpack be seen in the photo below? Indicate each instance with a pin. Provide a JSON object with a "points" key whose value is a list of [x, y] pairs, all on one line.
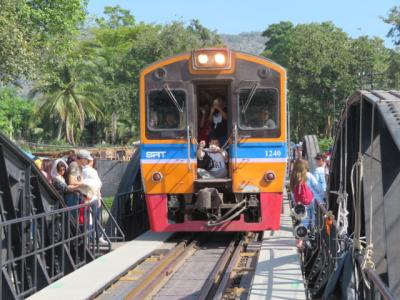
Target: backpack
{"points": [[303, 194]]}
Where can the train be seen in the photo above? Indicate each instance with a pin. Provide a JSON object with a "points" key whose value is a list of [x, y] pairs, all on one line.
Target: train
{"points": [[175, 93]]}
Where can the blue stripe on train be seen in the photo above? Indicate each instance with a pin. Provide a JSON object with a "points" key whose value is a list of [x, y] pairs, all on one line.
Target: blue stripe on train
{"points": [[245, 150], [166, 151], [260, 150]]}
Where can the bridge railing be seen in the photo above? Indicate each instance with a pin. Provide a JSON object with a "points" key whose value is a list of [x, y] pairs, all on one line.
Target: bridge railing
{"points": [[53, 244], [328, 247], [130, 214]]}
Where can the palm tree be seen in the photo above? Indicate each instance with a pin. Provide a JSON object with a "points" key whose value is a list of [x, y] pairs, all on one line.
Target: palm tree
{"points": [[66, 97]]}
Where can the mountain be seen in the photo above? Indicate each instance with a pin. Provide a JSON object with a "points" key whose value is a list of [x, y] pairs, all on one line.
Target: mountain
{"points": [[251, 42]]}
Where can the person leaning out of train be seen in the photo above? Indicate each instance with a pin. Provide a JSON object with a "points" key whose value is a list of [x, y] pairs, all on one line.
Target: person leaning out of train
{"points": [[212, 160], [319, 172], [218, 119], [58, 178]]}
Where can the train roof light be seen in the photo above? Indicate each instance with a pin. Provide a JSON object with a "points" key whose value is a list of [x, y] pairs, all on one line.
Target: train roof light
{"points": [[220, 59], [202, 58], [211, 59]]}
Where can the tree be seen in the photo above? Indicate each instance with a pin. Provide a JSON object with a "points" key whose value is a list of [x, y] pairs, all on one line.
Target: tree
{"points": [[370, 62], [394, 19], [277, 41], [68, 98], [116, 17], [15, 114], [120, 48], [34, 32], [393, 71], [317, 59]]}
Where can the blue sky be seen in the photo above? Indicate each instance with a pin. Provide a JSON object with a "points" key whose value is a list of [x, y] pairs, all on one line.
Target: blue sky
{"points": [[356, 17]]}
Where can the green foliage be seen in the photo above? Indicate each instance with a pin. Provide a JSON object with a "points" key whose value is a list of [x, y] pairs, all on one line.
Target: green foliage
{"points": [[325, 144], [324, 66], [108, 201], [15, 113], [86, 78], [116, 17], [370, 61], [393, 71], [34, 32], [394, 19], [120, 49]]}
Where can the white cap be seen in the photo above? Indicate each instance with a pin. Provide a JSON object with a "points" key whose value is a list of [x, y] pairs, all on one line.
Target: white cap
{"points": [[84, 154]]}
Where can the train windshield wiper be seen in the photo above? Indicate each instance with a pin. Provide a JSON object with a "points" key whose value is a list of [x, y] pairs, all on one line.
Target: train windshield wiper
{"points": [[251, 94], [172, 97]]}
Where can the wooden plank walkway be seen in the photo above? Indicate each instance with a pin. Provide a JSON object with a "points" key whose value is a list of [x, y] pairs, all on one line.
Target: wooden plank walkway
{"points": [[278, 273]]}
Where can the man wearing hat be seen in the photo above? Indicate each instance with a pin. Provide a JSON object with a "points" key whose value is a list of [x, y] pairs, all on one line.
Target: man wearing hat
{"points": [[91, 178], [319, 172]]}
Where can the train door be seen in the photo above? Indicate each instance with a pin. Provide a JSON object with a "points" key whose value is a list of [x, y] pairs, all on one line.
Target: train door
{"points": [[213, 120]]}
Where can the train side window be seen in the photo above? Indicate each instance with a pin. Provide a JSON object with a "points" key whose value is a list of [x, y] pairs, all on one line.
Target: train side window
{"points": [[166, 111], [260, 110]]}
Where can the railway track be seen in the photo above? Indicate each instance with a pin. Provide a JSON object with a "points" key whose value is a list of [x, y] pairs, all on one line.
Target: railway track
{"points": [[196, 267]]}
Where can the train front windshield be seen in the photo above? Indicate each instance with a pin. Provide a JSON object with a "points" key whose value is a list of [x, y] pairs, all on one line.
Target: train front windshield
{"points": [[258, 110]]}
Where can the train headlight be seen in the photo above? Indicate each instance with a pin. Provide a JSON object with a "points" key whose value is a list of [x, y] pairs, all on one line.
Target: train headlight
{"points": [[202, 59], [211, 59], [220, 59], [156, 177], [269, 176]]}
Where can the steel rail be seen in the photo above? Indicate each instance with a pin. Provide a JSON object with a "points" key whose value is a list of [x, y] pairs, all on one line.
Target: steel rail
{"points": [[229, 269], [151, 279], [216, 275]]}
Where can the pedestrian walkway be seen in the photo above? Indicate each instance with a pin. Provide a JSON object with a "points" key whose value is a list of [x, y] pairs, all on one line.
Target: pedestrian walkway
{"points": [[278, 273], [93, 277]]}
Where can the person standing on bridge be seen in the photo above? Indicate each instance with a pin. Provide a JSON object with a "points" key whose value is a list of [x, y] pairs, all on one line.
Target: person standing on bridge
{"points": [[301, 177], [92, 179], [319, 172]]}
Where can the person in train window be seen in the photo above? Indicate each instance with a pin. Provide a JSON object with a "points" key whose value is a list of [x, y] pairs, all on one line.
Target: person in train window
{"points": [[218, 120], [267, 122], [171, 121], [212, 160], [153, 119]]}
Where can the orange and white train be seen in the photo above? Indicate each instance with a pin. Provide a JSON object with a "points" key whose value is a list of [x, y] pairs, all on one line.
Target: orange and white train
{"points": [[174, 92]]}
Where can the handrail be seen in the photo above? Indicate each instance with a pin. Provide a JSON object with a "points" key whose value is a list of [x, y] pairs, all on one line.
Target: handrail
{"points": [[188, 147], [371, 274], [69, 231], [113, 221], [235, 137], [46, 214]]}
